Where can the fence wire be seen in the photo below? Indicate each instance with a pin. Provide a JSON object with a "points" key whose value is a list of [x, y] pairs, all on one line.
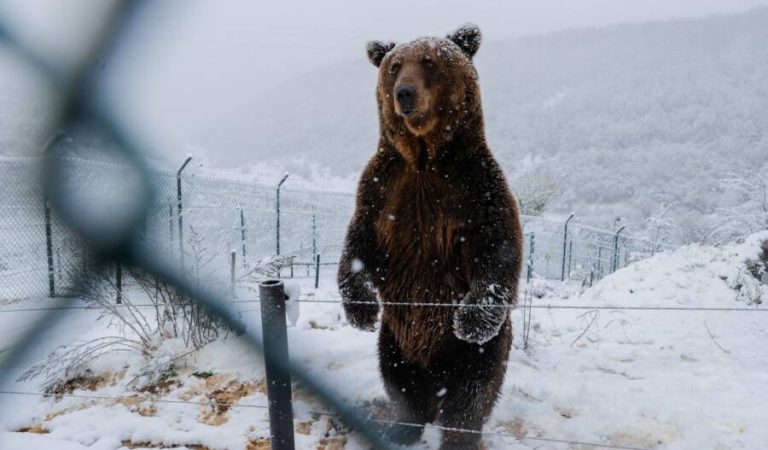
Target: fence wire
{"points": [[516, 437], [217, 217], [338, 301]]}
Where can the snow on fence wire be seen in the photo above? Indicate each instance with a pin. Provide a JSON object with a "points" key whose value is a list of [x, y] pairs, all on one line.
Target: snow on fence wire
{"points": [[200, 220]]}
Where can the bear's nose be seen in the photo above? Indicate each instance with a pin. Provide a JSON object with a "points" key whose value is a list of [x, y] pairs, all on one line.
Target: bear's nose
{"points": [[405, 96]]}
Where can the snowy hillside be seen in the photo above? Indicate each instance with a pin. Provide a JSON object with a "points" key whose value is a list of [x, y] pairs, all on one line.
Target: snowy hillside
{"points": [[628, 378], [629, 116]]}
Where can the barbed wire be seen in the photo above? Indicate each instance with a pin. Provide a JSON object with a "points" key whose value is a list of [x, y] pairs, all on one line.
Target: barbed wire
{"points": [[330, 414], [548, 306], [507, 435]]}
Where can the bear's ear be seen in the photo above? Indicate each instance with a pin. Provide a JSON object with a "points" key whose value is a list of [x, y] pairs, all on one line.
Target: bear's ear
{"points": [[377, 50], [468, 39]]}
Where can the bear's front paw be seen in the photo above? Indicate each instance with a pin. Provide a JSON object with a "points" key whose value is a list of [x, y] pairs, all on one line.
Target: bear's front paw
{"points": [[362, 315], [481, 315]]}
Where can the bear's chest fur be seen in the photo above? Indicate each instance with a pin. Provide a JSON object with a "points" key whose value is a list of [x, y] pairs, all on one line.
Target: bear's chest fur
{"points": [[421, 232]]}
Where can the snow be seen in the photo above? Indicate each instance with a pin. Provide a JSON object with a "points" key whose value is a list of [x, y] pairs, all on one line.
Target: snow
{"points": [[634, 378], [28, 441]]}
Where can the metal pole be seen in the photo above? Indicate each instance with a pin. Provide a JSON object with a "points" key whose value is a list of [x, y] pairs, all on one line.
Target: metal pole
{"points": [[600, 260], [49, 249], [233, 255], [570, 257], [616, 248], [565, 245], [277, 211], [273, 326], [314, 234], [530, 258], [119, 282], [242, 235], [179, 208], [317, 270]]}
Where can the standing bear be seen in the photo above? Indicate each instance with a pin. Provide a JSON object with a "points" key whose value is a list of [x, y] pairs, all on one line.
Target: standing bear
{"points": [[435, 223]]}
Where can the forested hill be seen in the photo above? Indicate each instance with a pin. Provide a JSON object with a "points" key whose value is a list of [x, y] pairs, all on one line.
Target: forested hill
{"points": [[628, 116]]}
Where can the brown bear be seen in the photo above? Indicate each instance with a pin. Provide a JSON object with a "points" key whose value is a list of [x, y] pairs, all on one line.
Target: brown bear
{"points": [[435, 223]]}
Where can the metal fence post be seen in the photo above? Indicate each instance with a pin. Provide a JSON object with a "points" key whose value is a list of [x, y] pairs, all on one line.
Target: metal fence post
{"points": [[233, 257], [314, 234], [317, 270], [273, 326], [530, 258], [277, 214], [49, 249], [616, 248], [242, 235], [599, 260], [570, 257], [119, 282], [565, 245], [178, 198]]}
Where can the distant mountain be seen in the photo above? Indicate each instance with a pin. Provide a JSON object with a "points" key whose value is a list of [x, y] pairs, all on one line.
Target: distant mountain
{"points": [[629, 116]]}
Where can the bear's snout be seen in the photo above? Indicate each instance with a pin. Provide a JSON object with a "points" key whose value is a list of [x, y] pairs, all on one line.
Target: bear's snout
{"points": [[406, 98]]}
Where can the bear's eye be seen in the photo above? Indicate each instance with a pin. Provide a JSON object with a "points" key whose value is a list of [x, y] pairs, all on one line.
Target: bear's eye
{"points": [[426, 61], [395, 67]]}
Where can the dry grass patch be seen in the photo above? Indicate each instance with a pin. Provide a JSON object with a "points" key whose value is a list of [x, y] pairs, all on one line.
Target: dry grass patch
{"points": [[36, 429], [304, 428], [218, 394], [259, 444]]}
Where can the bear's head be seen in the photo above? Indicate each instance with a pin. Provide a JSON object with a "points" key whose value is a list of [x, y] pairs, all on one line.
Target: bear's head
{"points": [[427, 88]]}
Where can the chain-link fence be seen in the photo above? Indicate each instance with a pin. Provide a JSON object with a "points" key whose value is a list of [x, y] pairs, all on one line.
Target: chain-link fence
{"points": [[209, 223]]}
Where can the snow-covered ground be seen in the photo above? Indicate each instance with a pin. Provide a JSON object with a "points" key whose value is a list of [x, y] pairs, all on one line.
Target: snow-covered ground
{"points": [[651, 379]]}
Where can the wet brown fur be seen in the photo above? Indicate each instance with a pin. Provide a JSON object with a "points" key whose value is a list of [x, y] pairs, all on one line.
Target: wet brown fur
{"points": [[434, 215]]}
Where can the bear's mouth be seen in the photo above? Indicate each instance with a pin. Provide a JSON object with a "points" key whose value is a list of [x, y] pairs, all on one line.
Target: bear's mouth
{"points": [[418, 123]]}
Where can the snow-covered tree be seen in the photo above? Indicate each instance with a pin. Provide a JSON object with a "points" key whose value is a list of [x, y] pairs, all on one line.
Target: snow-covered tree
{"points": [[660, 225], [537, 188], [746, 208]]}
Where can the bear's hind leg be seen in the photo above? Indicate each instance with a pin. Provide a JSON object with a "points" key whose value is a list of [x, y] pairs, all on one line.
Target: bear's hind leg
{"points": [[410, 389], [475, 375]]}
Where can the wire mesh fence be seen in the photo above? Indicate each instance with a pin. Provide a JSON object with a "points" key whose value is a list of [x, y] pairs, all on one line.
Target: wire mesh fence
{"points": [[206, 222]]}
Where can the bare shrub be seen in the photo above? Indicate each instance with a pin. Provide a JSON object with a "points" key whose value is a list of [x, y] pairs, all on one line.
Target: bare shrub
{"points": [[162, 313]]}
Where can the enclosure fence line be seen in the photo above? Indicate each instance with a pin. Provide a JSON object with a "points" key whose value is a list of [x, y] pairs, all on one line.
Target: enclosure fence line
{"points": [[225, 226], [339, 301], [326, 413]]}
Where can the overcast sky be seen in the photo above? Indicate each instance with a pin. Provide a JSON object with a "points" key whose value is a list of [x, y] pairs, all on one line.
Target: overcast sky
{"points": [[291, 36], [188, 60]]}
